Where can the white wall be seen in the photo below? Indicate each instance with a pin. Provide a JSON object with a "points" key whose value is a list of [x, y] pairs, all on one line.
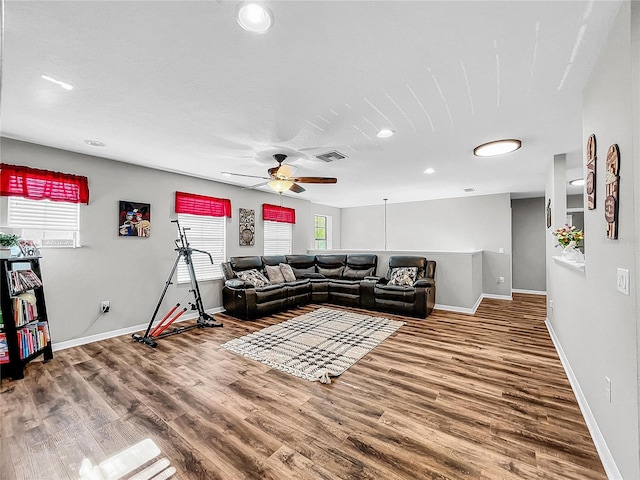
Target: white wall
{"points": [[449, 225], [596, 326], [131, 272]]}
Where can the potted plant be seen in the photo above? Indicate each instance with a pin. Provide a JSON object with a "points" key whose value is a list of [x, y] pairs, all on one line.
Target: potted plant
{"points": [[7, 240]]}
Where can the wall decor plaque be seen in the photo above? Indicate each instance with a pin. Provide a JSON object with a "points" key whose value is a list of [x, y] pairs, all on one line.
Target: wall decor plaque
{"points": [[591, 172], [612, 186], [247, 227], [134, 219]]}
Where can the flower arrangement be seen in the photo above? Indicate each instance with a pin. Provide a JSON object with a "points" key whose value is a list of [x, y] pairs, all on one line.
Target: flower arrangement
{"points": [[8, 240], [568, 236]]}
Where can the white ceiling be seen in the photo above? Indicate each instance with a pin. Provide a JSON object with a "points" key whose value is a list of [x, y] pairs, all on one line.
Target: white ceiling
{"points": [[180, 86]]}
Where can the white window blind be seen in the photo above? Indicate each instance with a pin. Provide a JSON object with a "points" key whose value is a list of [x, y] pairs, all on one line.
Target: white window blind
{"points": [[277, 238], [47, 223], [208, 234]]}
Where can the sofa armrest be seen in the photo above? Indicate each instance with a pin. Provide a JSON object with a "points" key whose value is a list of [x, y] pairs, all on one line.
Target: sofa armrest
{"points": [[371, 278], [424, 283], [237, 283]]}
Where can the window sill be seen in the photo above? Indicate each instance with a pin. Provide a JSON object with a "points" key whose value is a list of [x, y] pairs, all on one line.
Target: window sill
{"points": [[579, 266]]}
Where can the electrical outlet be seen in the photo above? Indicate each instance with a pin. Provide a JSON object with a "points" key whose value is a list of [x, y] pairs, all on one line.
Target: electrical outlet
{"points": [[551, 304], [500, 279], [607, 387], [105, 306]]}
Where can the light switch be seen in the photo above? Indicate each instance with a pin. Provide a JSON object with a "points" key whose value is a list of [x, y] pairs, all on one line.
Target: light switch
{"points": [[501, 250], [623, 280]]}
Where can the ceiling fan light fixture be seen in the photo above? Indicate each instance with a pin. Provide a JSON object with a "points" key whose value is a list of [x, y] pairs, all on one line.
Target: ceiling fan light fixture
{"points": [[280, 186], [577, 181], [254, 18], [385, 133], [497, 147]]}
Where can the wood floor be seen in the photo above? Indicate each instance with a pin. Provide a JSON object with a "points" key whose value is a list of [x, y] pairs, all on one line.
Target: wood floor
{"points": [[452, 396]]}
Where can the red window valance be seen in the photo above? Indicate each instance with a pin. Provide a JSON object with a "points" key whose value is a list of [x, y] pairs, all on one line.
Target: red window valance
{"points": [[27, 182], [202, 205], [278, 214]]}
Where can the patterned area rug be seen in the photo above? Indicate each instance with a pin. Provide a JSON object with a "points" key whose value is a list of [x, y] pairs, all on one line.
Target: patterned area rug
{"points": [[317, 345]]}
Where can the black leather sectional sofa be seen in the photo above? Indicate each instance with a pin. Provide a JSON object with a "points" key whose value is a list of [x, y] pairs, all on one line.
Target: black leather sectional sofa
{"points": [[339, 279]]}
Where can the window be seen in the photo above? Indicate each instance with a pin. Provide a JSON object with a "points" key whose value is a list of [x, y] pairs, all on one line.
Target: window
{"points": [[277, 238], [205, 220], [322, 232], [207, 234], [47, 223]]}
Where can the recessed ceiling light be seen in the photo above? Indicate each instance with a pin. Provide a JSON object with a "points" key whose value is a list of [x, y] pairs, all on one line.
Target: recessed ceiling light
{"points": [[429, 171], [385, 133], [577, 181], [254, 17], [499, 147], [95, 143], [66, 86]]}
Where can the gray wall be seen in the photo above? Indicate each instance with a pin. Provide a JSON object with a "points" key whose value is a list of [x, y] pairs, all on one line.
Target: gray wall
{"points": [[450, 225], [596, 326], [528, 240], [131, 272]]}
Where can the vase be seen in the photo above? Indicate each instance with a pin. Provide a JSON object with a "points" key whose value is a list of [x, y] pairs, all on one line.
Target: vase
{"points": [[570, 254]]}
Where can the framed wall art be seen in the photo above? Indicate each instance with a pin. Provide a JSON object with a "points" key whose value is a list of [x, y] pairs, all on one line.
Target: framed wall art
{"points": [[591, 172], [247, 227], [611, 201], [549, 214], [134, 219]]}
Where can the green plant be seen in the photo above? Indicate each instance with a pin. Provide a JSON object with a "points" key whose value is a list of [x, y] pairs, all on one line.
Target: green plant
{"points": [[8, 239]]}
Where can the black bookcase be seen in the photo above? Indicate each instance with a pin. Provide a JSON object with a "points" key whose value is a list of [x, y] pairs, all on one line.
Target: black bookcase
{"points": [[25, 334]]}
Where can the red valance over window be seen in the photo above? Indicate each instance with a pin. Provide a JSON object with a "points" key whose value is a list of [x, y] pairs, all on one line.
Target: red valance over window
{"points": [[278, 214], [27, 182], [202, 205]]}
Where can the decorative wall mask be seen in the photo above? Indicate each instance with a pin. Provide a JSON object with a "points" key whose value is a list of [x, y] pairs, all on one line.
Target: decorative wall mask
{"points": [[591, 172], [549, 214], [247, 227], [612, 181]]}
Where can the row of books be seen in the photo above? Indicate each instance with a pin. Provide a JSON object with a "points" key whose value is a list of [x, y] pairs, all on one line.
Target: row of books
{"points": [[25, 309], [21, 280], [33, 338]]}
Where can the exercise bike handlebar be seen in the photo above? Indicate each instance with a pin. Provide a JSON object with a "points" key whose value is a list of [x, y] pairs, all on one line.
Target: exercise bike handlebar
{"points": [[185, 243]]}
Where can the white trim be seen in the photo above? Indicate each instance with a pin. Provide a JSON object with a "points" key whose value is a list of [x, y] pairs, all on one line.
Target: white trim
{"points": [[76, 342], [497, 297], [580, 266], [472, 310], [530, 292], [608, 462]]}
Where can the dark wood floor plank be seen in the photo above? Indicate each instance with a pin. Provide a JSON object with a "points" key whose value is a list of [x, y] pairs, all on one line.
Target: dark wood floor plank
{"points": [[450, 396]]}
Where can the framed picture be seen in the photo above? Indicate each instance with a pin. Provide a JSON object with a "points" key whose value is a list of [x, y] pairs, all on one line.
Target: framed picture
{"points": [[591, 172], [612, 201], [549, 214], [247, 227], [134, 219]]}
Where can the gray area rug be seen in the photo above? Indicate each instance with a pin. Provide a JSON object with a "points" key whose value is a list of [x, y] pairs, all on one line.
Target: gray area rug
{"points": [[317, 345]]}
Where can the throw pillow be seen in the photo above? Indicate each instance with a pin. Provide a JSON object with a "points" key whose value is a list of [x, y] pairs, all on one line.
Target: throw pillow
{"points": [[253, 277], [403, 276], [274, 273], [287, 272]]}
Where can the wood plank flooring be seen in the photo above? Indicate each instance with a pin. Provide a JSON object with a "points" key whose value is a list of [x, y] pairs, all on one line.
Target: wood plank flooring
{"points": [[452, 396]]}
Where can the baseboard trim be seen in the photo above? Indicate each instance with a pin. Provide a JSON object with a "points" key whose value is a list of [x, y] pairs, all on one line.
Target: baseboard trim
{"points": [[529, 292], [608, 462], [76, 342], [472, 310]]}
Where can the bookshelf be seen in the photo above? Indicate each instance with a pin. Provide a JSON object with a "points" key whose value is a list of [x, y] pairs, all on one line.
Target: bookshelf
{"points": [[24, 329]]}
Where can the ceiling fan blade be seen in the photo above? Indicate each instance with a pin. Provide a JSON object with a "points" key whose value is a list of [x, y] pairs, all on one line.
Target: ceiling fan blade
{"points": [[315, 180], [256, 186], [295, 188], [243, 175]]}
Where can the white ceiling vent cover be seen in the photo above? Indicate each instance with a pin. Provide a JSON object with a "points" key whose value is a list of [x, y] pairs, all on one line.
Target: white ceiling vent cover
{"points": [[331, 156]]}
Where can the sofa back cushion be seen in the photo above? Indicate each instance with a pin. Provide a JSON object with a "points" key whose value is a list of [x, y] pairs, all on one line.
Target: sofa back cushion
{"points": [[357, 274], [330, 261], [246, 263], [360, 265], [302, 264], [274, 259], [330, 272]]}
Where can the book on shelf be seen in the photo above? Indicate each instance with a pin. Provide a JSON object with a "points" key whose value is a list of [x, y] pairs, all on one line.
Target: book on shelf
{"points": [[25, 309], [21, 280], [4, 348], [32, 338]]}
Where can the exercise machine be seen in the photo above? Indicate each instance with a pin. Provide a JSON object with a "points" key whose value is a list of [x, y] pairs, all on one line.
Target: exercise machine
{"points": [[161, 329]]}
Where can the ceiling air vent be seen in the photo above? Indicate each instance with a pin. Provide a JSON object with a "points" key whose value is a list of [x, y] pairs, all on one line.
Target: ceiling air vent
{"points": [[469, 190], [331, 156]]}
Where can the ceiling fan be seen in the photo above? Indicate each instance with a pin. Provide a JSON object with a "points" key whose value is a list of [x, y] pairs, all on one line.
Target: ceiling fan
{"points": [[281, 178]]}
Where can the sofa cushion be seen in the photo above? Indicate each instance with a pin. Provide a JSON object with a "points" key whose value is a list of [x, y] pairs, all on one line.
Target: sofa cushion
{"points": [[330, 261], [274, 273], [331, 272], [274, 260], [357, 274], [301, 272], [287, 272], [253, 277], [246, 263], [403, 276]]}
